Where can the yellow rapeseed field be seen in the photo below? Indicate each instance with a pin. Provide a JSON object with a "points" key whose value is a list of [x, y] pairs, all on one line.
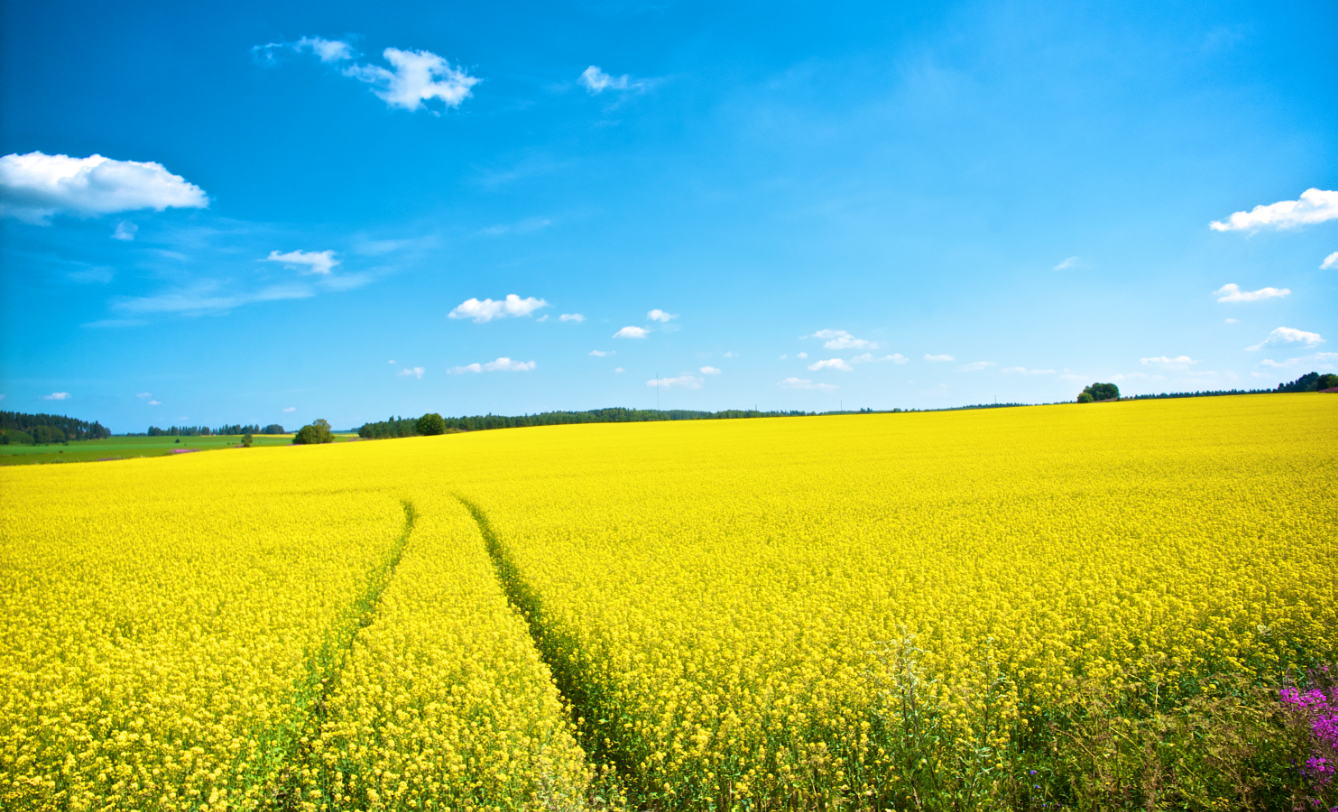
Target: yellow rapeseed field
{"points": [[865, 611]]}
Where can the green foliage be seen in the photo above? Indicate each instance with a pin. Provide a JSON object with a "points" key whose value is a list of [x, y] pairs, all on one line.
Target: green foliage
{"points": [[431, 424], [1328, 381], [247, 440], [1085, 397], [59, 429], [318, 431], [1308, 382], [1102, 391]]}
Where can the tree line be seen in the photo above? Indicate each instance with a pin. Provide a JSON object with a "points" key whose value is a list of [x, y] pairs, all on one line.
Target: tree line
{"points": [[37, 429], [410, 426], [205, 431]]}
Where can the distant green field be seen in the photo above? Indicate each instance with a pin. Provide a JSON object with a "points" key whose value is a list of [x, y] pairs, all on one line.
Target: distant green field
{"points": [[121, 448]]}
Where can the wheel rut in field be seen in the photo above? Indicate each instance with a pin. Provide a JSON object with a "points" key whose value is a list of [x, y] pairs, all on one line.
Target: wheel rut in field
{"points": [[325, 666], [591, 713]]}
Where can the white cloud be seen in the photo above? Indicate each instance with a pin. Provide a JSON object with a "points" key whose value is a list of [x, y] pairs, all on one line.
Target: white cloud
{"points": [[1331, 261], [632, 332], [57, 396], [1290, 362], [661, 316], [416, 372], [320, 262], [290, 409], [1315, 206], [710, 371], [326, 50], [1162, 362], [125, 231], [576, 317], [1233, 321], [36, 186], [939, 358], [870, 358], [487, 310], [155, 403], [686, 381], [1068, 263], [975, 366], [417, 76], [805, 383], [1326, 356], [1232, 293], [603, 353], [841, 340], [619, 369], [801, 355], [1288, 335], [597, 81], [544, 317], [730, 354], [500, 365], [391, 361], [1025, 371], [831, 363]]}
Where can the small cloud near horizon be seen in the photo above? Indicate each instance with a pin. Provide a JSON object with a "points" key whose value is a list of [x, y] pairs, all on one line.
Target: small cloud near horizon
{"points": [[416, 372], [661, 316], [685, 381], [1231, 292], [805, 383], [500, 365], [482, 312], [57, 396], [710, 371], [1288, 335]]}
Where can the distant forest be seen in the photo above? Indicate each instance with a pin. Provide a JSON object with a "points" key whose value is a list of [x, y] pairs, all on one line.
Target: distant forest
{"points": [[205, 431], [29, 429], [408, 426]]}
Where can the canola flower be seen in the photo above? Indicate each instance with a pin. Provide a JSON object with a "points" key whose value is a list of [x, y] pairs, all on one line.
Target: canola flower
{"points": [[846, 611]]}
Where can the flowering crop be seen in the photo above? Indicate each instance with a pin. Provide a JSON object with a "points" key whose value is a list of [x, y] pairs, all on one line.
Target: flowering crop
{"points": [[869, 611]]}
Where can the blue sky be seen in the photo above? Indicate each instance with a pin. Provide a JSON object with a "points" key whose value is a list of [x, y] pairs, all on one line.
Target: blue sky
{"points": [[794, 206]]}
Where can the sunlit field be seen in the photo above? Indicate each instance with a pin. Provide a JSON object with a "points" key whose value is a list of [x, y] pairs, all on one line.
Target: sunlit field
{"points": [[1077, 606]]}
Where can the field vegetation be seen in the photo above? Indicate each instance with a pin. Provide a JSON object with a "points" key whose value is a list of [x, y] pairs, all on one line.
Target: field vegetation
{"points": [[1123, 605]]}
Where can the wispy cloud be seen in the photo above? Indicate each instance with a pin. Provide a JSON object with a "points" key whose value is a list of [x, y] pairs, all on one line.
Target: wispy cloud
{"points": [[1315, 206], [500, 365], [661, 316], [576, 317], [326, 50], [805, 383], [603, 353], [596, 81], [1071, 262], [34, 187], [1163, 362], [939, 359], [1232, 293], [632, 332], [831, 363], [1331, 261], [870, 358], [526, 226], [319, 262], [709, 371], [57, 396], [205, 297], [290, 409], [125, 231], [841, 340], [411, 372], [684, 381], [1288, 335], [1290, 362], [487, 310]]}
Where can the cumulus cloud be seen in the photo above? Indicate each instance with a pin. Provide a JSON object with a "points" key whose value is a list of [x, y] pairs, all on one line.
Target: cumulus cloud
{"points": [[36, 186], [805, 383], [319, 262], [487, 310], [1315, 206], [632, 332], [831, 363], [1232, 293], [1162, 362], [661, 316], [1331, 261], [1288, 335], [326, 50], [841, 340], [413, 78], [576, 317], [57, 396], [685, 381], [415, 372], [603, 353], [938, 359], [1068, 263], [710, 371], [125, 231], [500, 365], [597, 81], [1025, 371]]}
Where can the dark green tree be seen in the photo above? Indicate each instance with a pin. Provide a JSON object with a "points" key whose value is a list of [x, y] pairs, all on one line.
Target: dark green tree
{"points": [[247, 439], [431, 423], [1328, 381], [1102, 391], [318, 431], [1085, 397]]}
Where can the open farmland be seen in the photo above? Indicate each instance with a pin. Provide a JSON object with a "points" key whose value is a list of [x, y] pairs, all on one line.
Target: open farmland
{"points": [[1079, 606]]}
